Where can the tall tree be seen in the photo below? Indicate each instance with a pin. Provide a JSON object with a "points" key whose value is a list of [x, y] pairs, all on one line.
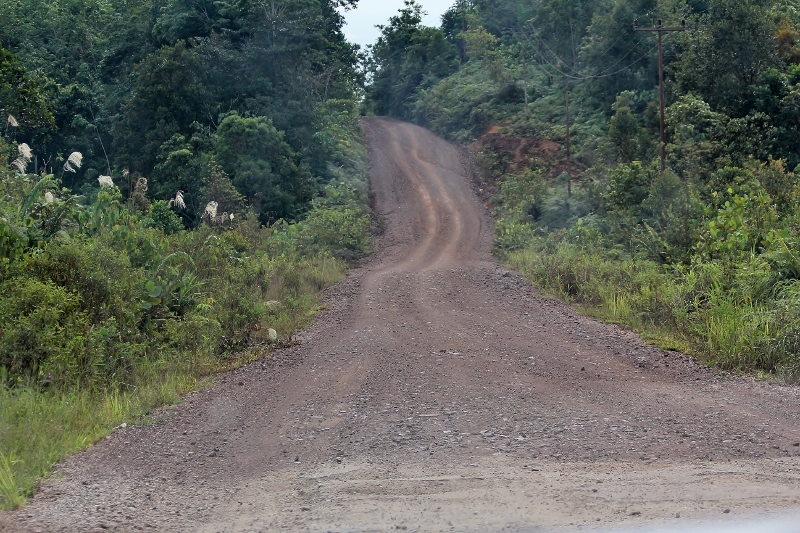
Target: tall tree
{"points": [[406, 58], [263, 167], [732, 46], [560, 27]]}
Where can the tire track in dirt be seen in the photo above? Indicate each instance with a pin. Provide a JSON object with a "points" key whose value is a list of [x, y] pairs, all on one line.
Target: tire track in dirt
{"points": [[440, 392]]}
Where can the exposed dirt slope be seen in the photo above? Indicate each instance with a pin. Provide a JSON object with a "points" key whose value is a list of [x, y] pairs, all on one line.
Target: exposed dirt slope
{"points": [[439, 392]]}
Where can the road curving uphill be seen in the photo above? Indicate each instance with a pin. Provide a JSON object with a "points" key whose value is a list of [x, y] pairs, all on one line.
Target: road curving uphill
{"points": [[441, 392]]}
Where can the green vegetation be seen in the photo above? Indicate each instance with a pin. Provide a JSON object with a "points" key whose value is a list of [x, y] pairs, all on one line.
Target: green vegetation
{"points": [[703, 257], [179, 181]]}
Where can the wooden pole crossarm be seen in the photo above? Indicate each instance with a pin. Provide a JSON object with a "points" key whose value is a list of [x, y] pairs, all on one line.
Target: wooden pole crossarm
{"points": [[660, 27], [663, 28]]}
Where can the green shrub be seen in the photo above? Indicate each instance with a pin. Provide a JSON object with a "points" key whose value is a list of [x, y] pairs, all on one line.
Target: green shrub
{"points": [[41, 323], [341, 230], [710, 308], [109, 308], [193, 342], [628, 186], [102, 276], [511, 235], [161, 216]]}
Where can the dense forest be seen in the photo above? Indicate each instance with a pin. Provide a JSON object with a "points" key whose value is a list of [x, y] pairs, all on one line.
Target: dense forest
{"points": [[559, 99], [179, 181]]}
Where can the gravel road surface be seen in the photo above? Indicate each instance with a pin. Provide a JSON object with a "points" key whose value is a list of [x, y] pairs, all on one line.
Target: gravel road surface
{"points": [[439, 391]]}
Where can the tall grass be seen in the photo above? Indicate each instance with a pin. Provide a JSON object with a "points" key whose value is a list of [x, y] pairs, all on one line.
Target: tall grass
{"points": [[10, 490], [37, 430], [706, 309]]}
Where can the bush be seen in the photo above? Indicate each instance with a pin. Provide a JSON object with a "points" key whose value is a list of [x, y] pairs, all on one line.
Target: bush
{"points": [[709, 308], [342, 231], [162, 217], [84, 268], [42, 323]]}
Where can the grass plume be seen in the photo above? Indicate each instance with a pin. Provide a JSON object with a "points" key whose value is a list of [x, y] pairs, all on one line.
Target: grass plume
{"points": [[211, 210], [25, 156], [74, 162], [178, 201]]}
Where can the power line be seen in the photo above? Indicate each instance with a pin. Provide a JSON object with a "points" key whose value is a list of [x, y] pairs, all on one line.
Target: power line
{"points": [[604, 54], [621, 59], [579, 75], [606, 75], [602, 74]]}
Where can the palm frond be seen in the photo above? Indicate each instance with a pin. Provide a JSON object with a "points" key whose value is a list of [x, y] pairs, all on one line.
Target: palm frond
{"points": [[32, 196]]}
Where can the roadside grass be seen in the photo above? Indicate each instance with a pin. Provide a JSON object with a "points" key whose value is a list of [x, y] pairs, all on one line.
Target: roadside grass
{"points": [[705, 309], [39, 428]]}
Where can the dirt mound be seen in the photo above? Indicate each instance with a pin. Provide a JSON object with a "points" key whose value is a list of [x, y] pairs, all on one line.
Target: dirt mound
{"points": [[517, 153]]}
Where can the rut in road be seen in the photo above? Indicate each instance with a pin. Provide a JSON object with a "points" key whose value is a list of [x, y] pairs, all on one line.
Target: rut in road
{"points": [[440, 392]]}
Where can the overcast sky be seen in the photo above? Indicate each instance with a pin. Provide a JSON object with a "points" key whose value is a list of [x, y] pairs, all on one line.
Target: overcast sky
{"points": [[361, 22]]}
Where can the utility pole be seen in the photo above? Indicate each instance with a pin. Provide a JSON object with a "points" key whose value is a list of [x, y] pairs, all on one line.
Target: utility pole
{"points": [[569, 147], [661, 29], [525, 80]]}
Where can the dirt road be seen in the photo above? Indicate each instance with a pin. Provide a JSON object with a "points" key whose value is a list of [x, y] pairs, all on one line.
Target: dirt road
{"points": [[439, 392]]}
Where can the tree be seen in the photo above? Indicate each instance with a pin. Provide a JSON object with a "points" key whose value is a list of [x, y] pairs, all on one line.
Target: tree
{"points": [[619, 58], [733, 45], [217, 187], [263, 167], [169, 94], [696, 136], [406, 59], [186, 19], [625, 132], [562, 25], [21, 96]]}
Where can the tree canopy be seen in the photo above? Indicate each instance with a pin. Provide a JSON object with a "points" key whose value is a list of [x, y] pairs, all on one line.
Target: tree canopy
{"points": [[122, 81]]}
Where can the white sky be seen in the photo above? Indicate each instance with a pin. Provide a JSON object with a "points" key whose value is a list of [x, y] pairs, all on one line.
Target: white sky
{"points": [[360, 27]]}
